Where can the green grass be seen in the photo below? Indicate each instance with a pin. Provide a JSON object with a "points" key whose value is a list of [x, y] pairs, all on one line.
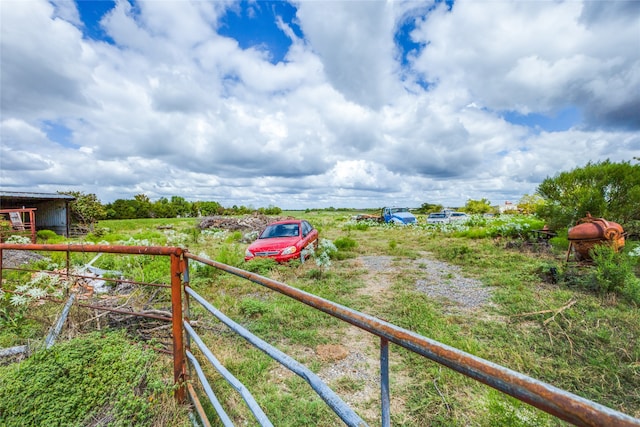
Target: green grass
{"points": [[96, 376], [589, 348]]}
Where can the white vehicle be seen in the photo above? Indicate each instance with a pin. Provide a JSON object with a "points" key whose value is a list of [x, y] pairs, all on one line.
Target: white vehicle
{"points": [[446, 217], [438, 218], [458, 216]]}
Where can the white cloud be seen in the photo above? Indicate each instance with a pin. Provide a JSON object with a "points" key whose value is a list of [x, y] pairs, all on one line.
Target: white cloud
{"points": [[171, 107]]}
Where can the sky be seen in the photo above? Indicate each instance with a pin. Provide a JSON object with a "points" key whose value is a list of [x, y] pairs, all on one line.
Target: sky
{"points": [[314, 104]]}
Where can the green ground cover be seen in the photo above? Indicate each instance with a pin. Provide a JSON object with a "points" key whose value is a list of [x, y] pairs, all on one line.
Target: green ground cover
{"points": [[576, 328]]}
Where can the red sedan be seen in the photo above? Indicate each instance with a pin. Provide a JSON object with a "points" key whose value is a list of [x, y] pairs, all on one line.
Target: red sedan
{"points": [[284, 241]]}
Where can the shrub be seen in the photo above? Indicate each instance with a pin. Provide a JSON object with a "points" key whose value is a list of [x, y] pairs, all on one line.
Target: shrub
{"points": [[260, 266], [98, 375], [230, 255], [613, 272], [49, 236], [345, 243], [236, 236], [253, 308], [5, 225], [360, 225], [21, 240]]}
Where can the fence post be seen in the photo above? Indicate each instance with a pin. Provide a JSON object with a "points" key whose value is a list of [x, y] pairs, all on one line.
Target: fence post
{"points": [[179, 362], [187, 310], [385, 401]]}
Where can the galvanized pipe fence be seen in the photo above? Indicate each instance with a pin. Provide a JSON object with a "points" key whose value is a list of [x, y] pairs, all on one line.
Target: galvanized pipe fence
{"points": [[560, 403]]}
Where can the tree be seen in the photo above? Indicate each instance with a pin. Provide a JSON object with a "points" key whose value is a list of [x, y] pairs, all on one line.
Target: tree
{"points": [[605, 189], [180, 206], [122, 209], [530, 204], [143, 206], [477, 206], [207, 208], [163, 209], [428, 208], [86, 209]]}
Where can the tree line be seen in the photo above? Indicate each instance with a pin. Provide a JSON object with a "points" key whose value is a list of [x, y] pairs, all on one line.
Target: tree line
{"points": [[604, 189], [87, 208]]}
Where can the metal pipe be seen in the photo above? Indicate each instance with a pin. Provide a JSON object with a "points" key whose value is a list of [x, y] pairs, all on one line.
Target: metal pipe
{"points": [[560, 403], [257, 411], [385, 401], [329, 396], [51, 338], [111, 249], [226, 421], [179, 363], [12, 351], [82, 276]]}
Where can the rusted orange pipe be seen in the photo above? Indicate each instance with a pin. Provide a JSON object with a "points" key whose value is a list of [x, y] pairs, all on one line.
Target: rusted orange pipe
{"points": [[110, 249], [560, 403], [179, 360]]}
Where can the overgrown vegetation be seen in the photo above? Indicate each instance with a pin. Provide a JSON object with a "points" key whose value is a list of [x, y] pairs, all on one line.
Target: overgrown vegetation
{"points": [[575, 327], [606, 189], [96, 379]]}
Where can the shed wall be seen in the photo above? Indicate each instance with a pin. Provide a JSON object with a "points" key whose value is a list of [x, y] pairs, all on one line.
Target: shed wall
{"points": [[52, 216]]}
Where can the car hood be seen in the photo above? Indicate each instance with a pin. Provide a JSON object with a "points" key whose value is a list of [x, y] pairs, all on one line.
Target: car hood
{"points": [[404, 215], [273, 243]]}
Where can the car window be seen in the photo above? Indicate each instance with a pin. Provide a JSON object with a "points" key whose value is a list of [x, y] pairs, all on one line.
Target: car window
{"points": [[306, 228], [437, 215], [280, 230]]}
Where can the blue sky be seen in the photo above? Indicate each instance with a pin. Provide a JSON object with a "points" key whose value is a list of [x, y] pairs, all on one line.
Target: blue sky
{"points": [[314, 103]]}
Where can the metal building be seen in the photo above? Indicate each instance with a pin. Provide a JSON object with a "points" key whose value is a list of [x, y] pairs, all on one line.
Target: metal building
{"points": [[51, 209]]}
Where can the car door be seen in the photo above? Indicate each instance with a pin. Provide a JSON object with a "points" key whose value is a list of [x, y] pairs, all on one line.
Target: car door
{"points": [[309, 234]]}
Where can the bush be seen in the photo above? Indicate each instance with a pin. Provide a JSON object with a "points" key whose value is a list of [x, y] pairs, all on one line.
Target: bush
{"points": [[98, 375], [254, 308], [49, 236], [260, 266], [614, 272], [5, 225], [360, 225], [230, 255], [345, 243]]}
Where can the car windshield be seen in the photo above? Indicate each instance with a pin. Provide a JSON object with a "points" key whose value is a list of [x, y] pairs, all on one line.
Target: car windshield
{"points": [[458, 214], [396, 210], [437, 216], [280, 230]]}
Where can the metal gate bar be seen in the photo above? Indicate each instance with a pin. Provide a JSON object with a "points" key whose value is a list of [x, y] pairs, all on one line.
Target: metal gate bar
{"points": [[329, 396], [231, 379], [555, 401], [560, 403]]}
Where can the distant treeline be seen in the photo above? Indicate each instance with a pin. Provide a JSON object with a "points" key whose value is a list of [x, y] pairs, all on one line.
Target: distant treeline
{"points": [[87, 208], [141, 207], [605, 189]]}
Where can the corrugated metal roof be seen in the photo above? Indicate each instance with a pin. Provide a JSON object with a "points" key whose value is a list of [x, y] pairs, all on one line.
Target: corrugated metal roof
{"points": [[15, 195]]}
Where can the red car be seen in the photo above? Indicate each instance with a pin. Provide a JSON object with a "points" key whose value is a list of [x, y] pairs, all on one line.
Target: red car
{"points": [[284, 241]]}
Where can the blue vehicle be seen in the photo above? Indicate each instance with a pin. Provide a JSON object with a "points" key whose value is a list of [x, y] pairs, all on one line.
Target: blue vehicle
{"points": [[400, 216]]}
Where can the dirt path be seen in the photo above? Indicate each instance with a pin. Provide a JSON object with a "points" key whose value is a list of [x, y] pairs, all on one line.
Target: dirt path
{"points": [[355, 354]]}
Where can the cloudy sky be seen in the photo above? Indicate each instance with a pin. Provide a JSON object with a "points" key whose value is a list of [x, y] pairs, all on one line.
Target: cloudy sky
{"points": [[314, 103]]}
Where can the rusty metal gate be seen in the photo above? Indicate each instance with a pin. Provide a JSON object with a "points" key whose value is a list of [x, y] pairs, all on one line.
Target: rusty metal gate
{"points": [[560, 403]]}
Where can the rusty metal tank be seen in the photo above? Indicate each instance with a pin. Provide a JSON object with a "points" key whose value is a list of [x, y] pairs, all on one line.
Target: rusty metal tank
{"points": [[590, 231]]}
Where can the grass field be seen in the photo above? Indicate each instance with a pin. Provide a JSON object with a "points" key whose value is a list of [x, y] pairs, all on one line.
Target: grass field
{"points": [[542, 317]]}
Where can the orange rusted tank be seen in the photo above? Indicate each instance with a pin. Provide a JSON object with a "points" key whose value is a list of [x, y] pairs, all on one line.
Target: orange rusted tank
{"points": [[590, 231]]}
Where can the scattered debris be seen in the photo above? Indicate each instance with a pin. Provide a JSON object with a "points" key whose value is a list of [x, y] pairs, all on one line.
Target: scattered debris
{"points": [[13, 259], [255, 222]]}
